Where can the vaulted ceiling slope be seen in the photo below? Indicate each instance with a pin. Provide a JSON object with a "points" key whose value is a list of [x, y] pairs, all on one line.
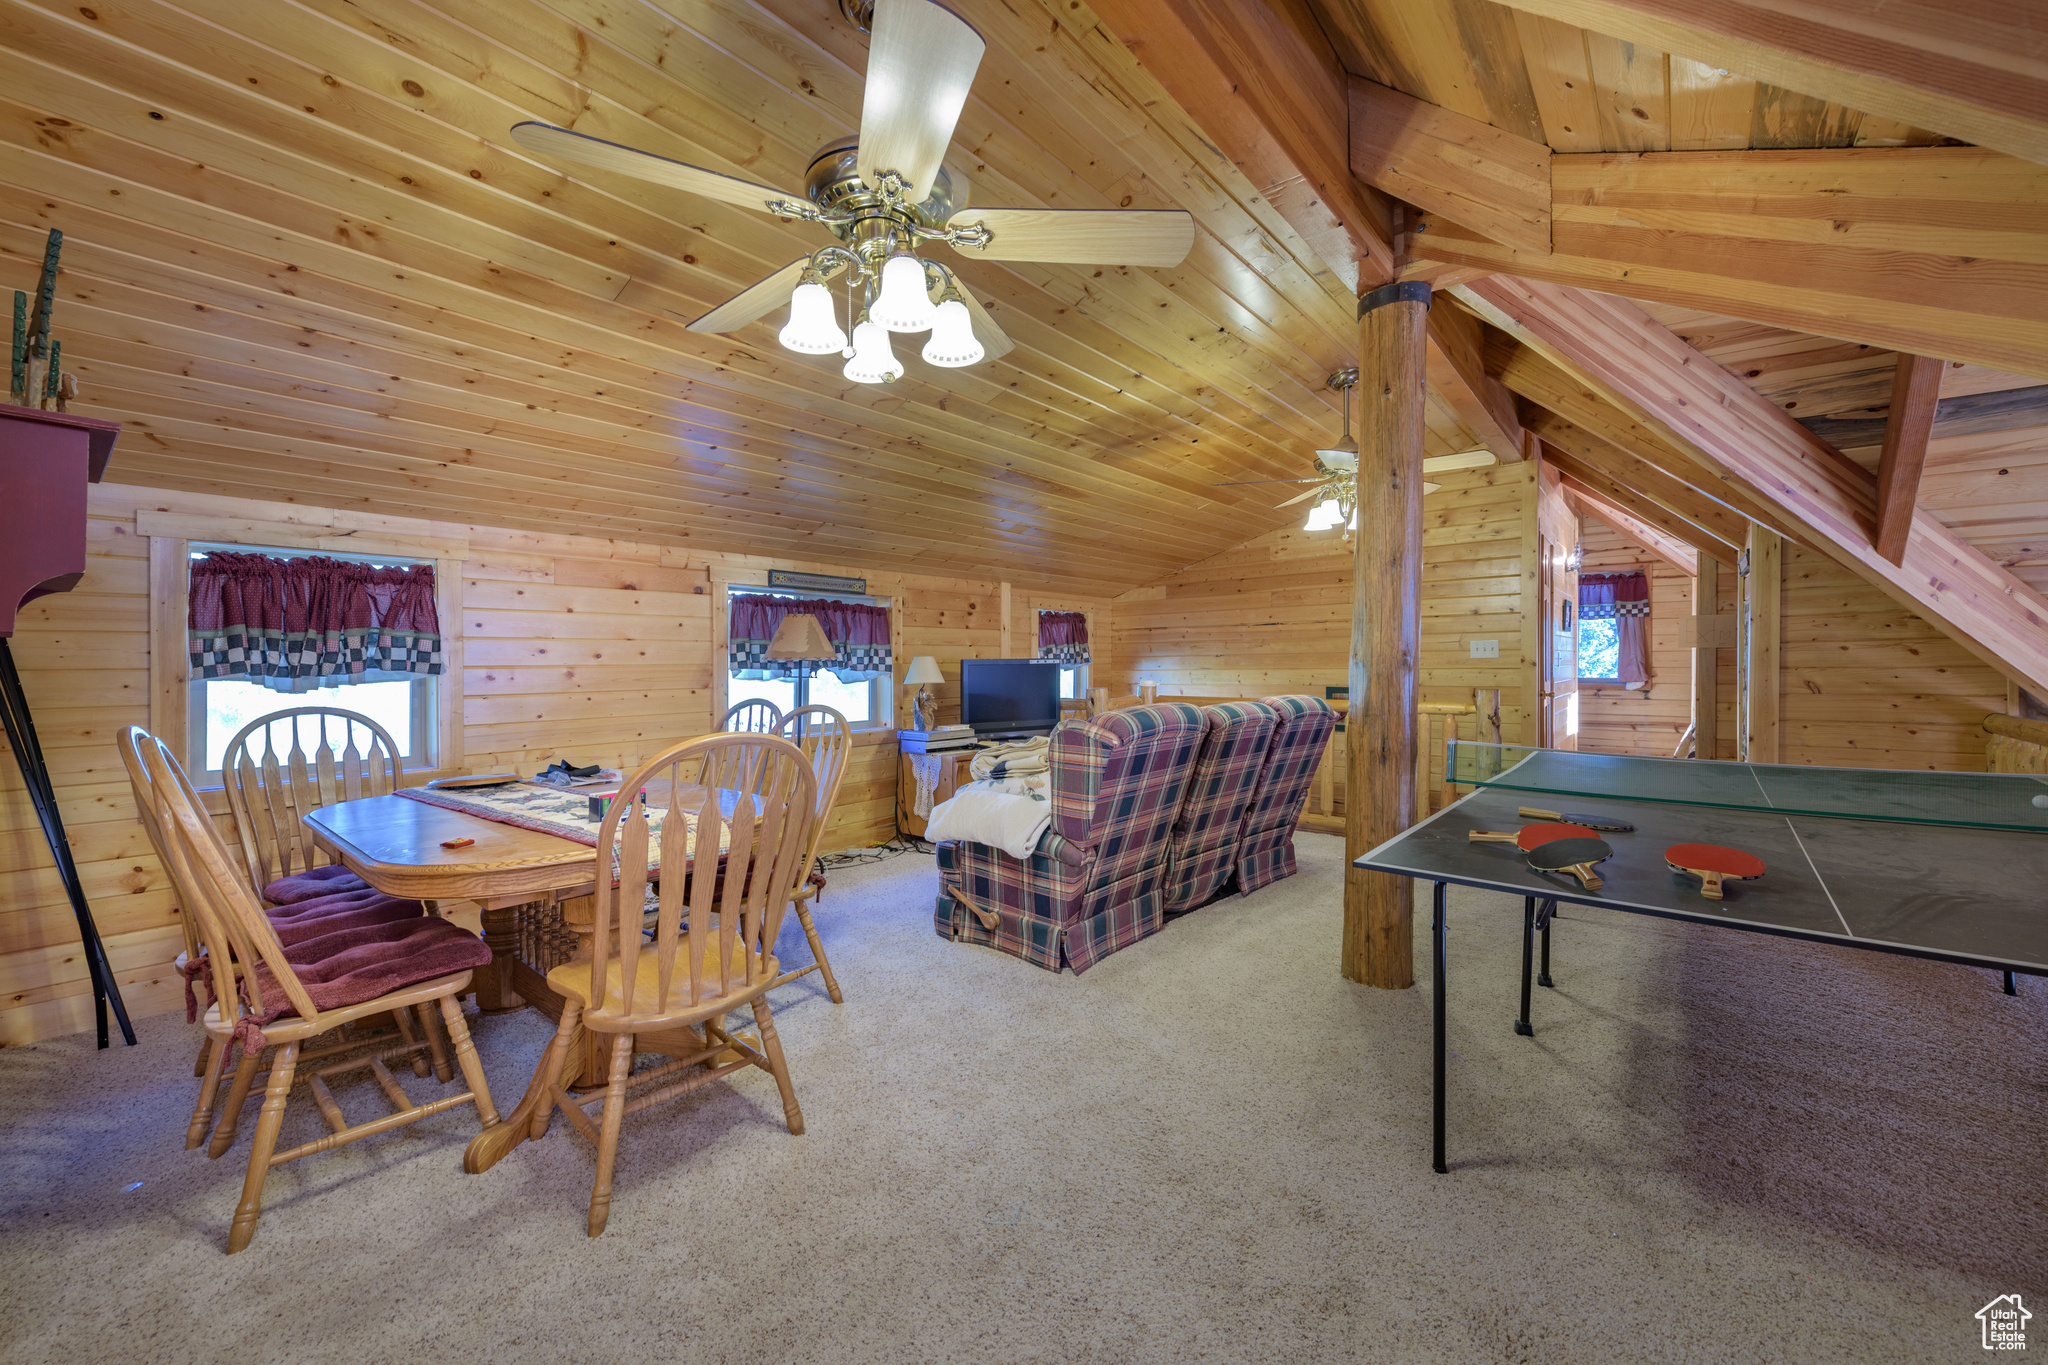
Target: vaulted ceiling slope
{"points": [[304, 261]]}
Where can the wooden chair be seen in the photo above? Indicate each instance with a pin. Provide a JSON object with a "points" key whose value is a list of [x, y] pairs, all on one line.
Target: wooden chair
{"points": [[827, 741], [707, 957], [424, 961], [756, 717], [272, 782]]}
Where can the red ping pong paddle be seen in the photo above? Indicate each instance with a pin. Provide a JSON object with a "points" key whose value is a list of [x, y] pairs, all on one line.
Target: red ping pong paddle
{"points": [[1575, 856], [1713, 864], [1530, 837]]}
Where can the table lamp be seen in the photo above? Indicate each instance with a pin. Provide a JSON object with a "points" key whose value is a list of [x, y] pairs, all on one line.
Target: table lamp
{"points": [[924, 671]]}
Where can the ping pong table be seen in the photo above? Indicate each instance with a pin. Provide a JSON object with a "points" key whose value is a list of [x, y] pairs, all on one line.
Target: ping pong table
{"points": [[1947, 866]]}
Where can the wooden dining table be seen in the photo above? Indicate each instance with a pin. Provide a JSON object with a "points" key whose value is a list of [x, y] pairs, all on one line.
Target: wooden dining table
{"points": [[536, 893]]}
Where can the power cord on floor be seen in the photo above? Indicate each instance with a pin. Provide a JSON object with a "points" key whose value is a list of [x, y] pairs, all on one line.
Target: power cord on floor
{"points": [[876, 853]]}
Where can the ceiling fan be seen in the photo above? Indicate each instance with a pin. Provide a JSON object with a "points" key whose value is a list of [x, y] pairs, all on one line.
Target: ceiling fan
{"points": [[1335, 484], [884, 192]]}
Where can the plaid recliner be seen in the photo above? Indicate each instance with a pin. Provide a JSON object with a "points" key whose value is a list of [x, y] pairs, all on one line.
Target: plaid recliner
{"points": [[1094, 885], [1266, 852], [1203, 850]]}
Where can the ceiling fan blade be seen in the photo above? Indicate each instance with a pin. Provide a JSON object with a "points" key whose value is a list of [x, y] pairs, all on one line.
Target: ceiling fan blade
{"points": [[549, 140], [1082, 236], [994, 340], [1428, 487], [1299, 497], [1248, 483], [756, 300], [1464, 459], [921, 61]]}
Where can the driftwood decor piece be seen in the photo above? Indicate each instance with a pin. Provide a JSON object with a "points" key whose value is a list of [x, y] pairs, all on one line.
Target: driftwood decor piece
{"points": [[35, 368]]}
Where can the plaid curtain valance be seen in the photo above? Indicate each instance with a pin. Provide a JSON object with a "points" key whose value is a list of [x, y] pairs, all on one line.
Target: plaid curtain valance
{"points": [[1063, 636], [1611, 596], [859, 632], [293, 625]]}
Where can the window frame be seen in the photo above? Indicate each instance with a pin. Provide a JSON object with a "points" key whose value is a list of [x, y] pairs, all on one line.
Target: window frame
{"points": [[1578, 644], [881, 691], [172, 535]]}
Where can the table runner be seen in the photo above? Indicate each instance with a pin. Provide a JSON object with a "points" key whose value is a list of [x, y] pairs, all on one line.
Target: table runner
{"points": [[563, 812]]}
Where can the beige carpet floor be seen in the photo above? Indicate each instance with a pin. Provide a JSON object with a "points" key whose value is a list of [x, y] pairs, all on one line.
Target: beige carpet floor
{"points": [[1717, 1147]]}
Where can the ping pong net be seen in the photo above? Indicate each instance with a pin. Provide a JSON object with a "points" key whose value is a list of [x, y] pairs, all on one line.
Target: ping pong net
{"points": [[1974, 800]]}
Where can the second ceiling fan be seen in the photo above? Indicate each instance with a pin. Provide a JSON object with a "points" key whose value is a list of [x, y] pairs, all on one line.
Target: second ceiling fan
{"points": [[883, 193]]}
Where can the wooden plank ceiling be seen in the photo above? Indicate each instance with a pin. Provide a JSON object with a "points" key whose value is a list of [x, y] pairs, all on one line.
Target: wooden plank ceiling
{"points": [[304, 261]]}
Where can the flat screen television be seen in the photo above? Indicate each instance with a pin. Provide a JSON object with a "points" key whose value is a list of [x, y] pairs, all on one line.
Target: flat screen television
{"points": [[1005, 697]]}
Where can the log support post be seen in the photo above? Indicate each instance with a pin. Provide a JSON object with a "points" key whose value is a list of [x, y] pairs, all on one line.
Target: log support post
{"points": [[1385, 629], [1761, 635]]}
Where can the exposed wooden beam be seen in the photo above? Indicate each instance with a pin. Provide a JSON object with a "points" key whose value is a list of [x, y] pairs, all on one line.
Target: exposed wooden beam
{"points": [[1754, 447], [1620, 495], [1970, 414], [1726, 528], [1706, 663], [1916, 389], [1930, 250], [1457, 370], [1673, 551], [1974, 71], [1541, 381], [1762, 587], [1386, 631], [1264, 82], [1473, 173]]}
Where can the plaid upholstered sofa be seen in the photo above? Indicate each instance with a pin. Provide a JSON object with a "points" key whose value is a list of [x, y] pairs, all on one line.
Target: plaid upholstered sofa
{"points": [[1202, 850], [1118, 781], [1265, 852]]}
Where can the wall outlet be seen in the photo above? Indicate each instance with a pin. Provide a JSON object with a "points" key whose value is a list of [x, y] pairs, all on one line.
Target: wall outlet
{"points": [[1486, 649]]}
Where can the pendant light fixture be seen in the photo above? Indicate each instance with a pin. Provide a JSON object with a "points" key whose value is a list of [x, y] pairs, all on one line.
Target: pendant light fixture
{"points": [[813, 326], [903, 305], [953, 342], [873, 362]]}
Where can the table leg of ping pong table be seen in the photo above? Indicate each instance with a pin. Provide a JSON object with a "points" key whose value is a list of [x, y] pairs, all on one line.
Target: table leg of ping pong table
{"points": [[1528, 952], [1437, 930], [1546, 916], [2010, 987]]}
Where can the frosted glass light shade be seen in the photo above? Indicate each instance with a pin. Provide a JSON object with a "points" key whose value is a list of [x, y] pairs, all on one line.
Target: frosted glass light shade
{"points": [[813, 328], [923, 670], [873, 361], [903, 306], [1324, 516], [953, 343]]}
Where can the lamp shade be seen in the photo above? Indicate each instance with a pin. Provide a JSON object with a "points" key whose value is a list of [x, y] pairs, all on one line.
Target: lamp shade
{"points": [[923, 669], [800, 637]]}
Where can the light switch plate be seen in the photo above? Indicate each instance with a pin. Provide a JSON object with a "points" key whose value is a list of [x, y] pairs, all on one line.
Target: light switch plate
{"points": [[1486, 649]]}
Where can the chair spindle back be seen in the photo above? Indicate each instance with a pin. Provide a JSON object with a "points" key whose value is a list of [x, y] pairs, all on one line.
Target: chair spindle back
{"points": [[273, 782], [715, 931], [827, 741]]}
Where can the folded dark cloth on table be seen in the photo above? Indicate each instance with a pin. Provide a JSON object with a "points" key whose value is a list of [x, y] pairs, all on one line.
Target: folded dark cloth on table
{"points": [[312, 883]]}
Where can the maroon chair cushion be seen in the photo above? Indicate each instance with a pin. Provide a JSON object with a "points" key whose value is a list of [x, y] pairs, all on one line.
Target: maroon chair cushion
{"points": [[331, 913], [350, 966], [313, 882]]}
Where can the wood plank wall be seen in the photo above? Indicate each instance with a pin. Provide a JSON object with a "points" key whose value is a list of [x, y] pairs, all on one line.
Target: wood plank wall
{"points": [[592, 649], [1866, 684], [1274, 614], [1650, 720]]}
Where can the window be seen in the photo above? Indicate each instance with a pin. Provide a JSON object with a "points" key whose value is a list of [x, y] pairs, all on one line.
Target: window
{"points": [[1599, 650], [393, 689], [1063, 637], [865, 701]]}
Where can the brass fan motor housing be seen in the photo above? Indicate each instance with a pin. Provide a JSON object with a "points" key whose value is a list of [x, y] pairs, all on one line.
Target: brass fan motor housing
{"points": [[834, 184]]}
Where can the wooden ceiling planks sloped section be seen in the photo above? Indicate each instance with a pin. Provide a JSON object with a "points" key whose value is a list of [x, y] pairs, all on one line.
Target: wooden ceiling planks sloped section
{"points": [[304, 262]]}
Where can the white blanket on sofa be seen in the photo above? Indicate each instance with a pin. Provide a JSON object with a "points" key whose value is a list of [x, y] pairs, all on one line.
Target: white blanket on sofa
{"points": [[982, 813]]}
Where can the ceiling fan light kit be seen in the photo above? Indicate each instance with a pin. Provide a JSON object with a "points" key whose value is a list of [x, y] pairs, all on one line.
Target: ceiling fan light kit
{"points": [[874, 360], [953, 342], [880, 194], [813, 326]]}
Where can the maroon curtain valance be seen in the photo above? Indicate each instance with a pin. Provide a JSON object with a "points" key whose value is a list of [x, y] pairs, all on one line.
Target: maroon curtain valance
{"points": [[859, 632], [1063, 636], [297, 624]]}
